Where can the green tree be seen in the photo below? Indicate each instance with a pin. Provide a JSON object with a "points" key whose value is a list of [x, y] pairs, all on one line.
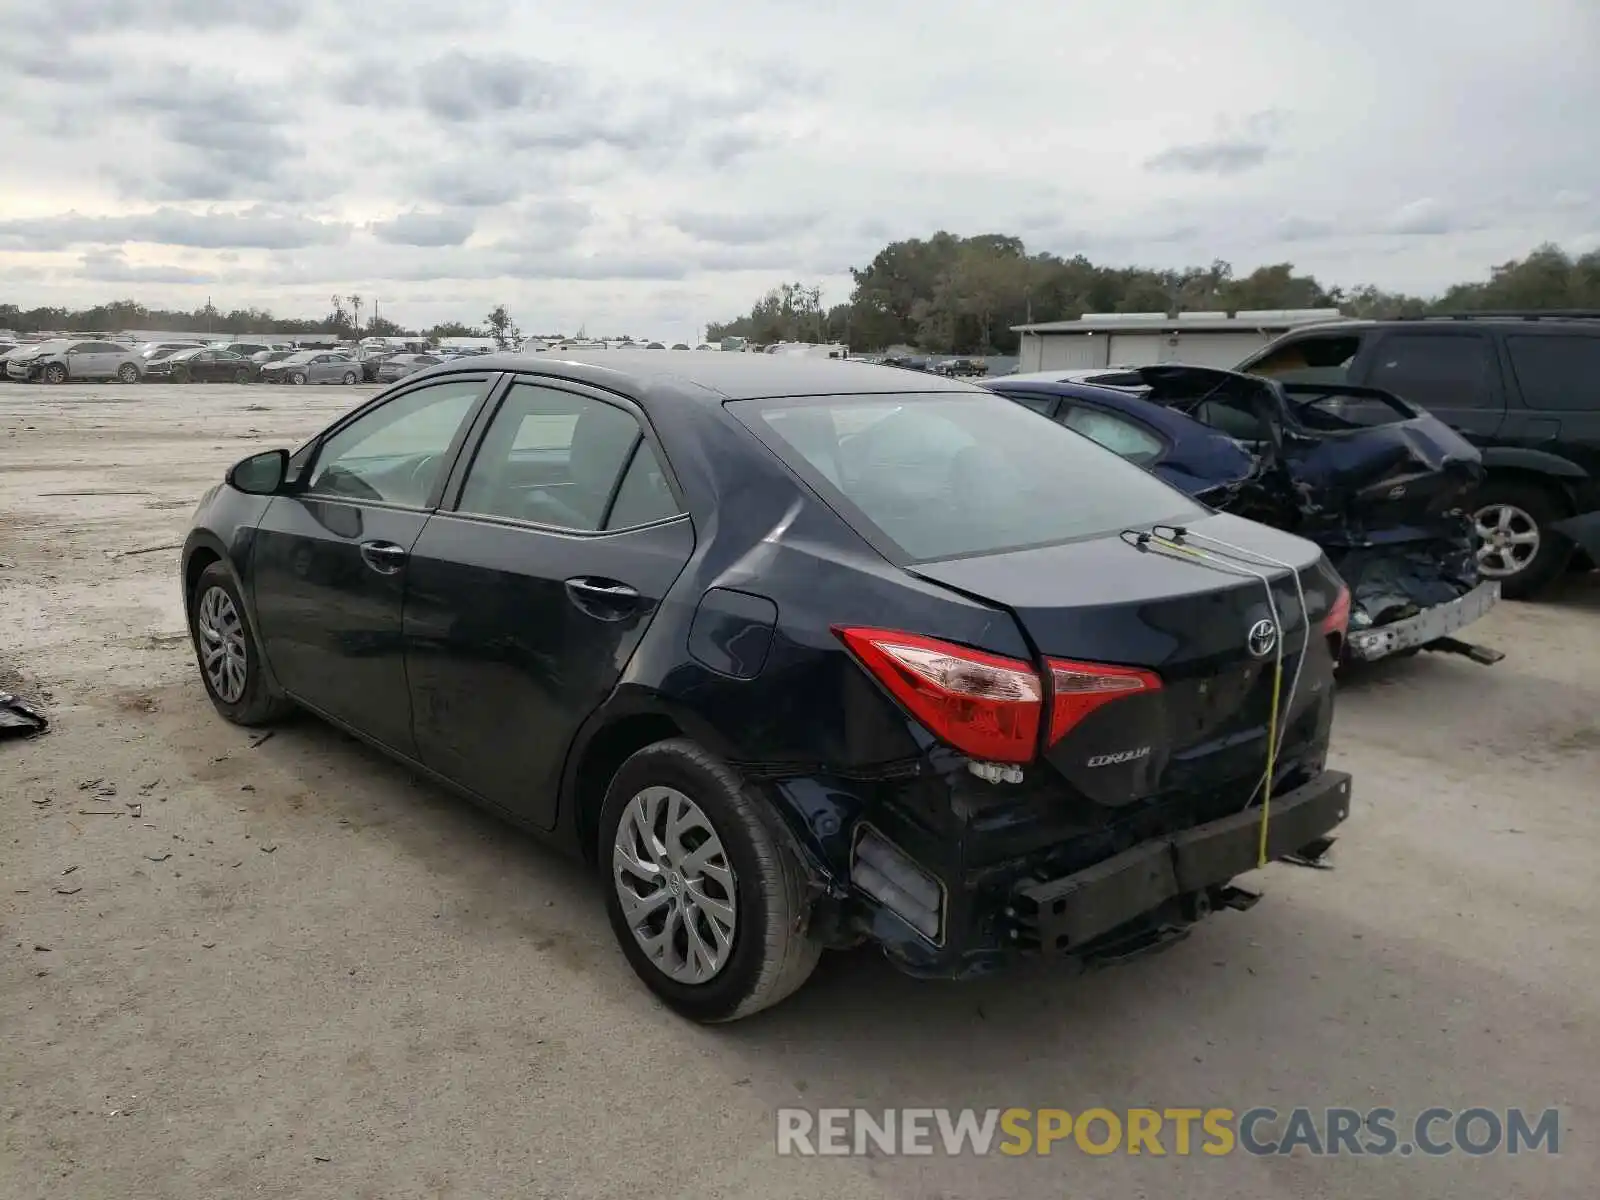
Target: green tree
{"points": [[502, 328]]}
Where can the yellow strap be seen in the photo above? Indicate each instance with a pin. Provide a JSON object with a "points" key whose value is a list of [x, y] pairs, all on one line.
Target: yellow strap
{"points": [[1272, 722], [1272, 758]]}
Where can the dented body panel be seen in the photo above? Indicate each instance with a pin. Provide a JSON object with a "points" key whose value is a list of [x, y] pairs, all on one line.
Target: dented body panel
{"points": [[1381, 485]]}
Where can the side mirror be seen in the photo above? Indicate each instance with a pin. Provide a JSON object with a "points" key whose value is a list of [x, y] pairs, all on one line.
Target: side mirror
{"points": [[260, 474]]}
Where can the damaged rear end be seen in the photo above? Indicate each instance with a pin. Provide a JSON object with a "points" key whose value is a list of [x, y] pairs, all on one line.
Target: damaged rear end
{"points": [[1384, 489], [1381, 485]]}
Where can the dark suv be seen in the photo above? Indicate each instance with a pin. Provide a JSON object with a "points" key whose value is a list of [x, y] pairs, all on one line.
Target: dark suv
{"points": [[1522, 387]]}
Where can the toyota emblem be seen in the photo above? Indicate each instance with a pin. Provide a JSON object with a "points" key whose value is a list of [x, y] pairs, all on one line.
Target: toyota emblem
{"points": [[1262, 639]]}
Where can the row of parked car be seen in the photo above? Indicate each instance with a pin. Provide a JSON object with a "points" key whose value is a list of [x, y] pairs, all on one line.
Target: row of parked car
{"points": [[62, 360]]}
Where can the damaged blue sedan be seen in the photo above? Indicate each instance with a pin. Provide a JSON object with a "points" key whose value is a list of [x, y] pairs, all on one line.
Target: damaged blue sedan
{"points": [[1381, 485]]}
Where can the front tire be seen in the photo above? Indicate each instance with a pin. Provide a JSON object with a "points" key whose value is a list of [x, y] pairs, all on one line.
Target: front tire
{"points": [[225, 651], [705, 887], [298, 379], [55, 373], [349, 378], [1519, 547], [180, 375], [241, 376], [128, 373]]}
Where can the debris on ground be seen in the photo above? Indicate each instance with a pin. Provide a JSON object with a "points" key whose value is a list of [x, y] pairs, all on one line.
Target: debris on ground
{"points": [[20, 719], [262, 738], [144, 550]]}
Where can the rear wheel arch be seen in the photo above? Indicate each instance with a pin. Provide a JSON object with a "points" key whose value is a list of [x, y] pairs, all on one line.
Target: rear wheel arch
{"points": [[599, 759], [1557, 487]]}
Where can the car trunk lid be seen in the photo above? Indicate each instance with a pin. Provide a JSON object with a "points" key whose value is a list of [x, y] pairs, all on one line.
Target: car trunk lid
{"points": [[1202, 630]]}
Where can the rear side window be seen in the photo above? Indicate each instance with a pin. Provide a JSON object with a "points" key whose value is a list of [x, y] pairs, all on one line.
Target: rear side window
{"points": [[1117, 434], [1436, 370], [554, 458], [944, 475], [1557, 372]]}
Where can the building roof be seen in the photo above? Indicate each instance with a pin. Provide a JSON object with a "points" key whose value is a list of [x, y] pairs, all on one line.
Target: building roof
{"points": [[1250, 321], [717, 377]]}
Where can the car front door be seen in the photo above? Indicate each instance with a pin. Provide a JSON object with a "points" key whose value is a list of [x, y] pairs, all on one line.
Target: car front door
{"points": [[526, 600], [82, 361], [1454, 374], [329, 566]]}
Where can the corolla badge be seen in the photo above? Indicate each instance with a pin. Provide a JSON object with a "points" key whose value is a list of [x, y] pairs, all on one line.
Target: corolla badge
{"points": [[1262, 639]]}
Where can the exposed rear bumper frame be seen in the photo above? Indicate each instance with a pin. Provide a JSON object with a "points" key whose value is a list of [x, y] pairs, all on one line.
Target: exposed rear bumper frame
{"points": [[1068, 914]]}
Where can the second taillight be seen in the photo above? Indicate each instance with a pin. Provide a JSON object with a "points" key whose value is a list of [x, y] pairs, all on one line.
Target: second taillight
{"points": [[986, 705]]}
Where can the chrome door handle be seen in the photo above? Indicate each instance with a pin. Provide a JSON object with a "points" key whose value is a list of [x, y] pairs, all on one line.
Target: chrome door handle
{"points": [[600, 589], [383, 557]]}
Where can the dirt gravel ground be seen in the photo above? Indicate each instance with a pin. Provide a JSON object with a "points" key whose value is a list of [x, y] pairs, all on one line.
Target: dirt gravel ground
{"points": [[289, 969]]}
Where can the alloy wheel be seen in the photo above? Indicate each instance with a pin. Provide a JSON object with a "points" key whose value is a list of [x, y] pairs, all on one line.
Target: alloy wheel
{"points": [[676, 885], [1509, 540], [222, 648]]}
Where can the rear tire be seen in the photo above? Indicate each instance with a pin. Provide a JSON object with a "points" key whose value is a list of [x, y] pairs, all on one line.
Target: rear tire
{"points": [[769, 955], [1513, 509], [220, 626]]}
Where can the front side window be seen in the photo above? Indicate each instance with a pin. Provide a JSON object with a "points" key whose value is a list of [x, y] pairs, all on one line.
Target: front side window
{"points": [[550, 457], [941, 475], [396, 453], [1324, 358], [1436, 370]]}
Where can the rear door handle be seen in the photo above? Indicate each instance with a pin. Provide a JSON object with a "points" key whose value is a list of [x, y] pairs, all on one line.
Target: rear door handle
{"points": [[604, 598], [383, 557]]}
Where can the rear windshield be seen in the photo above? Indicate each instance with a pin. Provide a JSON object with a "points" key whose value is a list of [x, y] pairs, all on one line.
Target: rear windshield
{"points": [[941, 475]]}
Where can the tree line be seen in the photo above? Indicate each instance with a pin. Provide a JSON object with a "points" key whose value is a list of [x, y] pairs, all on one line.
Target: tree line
{"points": [[956, 295], [344, 319]]}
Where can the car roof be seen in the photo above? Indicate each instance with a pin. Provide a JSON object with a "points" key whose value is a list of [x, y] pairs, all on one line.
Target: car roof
{"points": [[715, 377]]}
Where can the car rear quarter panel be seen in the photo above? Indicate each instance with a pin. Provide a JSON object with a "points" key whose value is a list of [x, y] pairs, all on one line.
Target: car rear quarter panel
{"points": [[811, 711]]}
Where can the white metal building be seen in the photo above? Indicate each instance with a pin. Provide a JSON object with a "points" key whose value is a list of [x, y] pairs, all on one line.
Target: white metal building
{"points": [[1202, 339]]}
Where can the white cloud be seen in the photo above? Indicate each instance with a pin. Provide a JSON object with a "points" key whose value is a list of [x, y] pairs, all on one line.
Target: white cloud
{"points": [[650, 168]]}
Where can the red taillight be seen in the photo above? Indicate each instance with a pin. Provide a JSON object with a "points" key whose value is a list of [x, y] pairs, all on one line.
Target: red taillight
{"points": [[1080, 688], [1337, 620], [983, 704]]}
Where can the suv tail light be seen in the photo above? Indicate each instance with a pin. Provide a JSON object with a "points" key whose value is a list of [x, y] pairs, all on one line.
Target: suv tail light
{"points": [[986, 705]]}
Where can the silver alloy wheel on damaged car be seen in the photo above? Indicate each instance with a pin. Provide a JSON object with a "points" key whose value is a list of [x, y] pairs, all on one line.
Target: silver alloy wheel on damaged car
{"points": [[55, 373], [297, 378], [222, 648], [675, 884], [349, 377], [1509, 540], [128, 373]]}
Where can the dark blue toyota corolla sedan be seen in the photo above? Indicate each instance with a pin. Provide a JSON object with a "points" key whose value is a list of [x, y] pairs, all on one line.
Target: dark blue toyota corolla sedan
{"points": [[800, 653]]}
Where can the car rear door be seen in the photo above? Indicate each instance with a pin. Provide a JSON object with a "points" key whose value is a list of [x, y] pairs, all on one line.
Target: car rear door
{"points": [[1453, 373], [329, 565], [1557, 380], [531, 588]]}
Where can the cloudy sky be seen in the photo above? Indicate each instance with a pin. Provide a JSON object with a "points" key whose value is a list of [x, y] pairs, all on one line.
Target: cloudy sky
{"points": [[644, 168]]}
